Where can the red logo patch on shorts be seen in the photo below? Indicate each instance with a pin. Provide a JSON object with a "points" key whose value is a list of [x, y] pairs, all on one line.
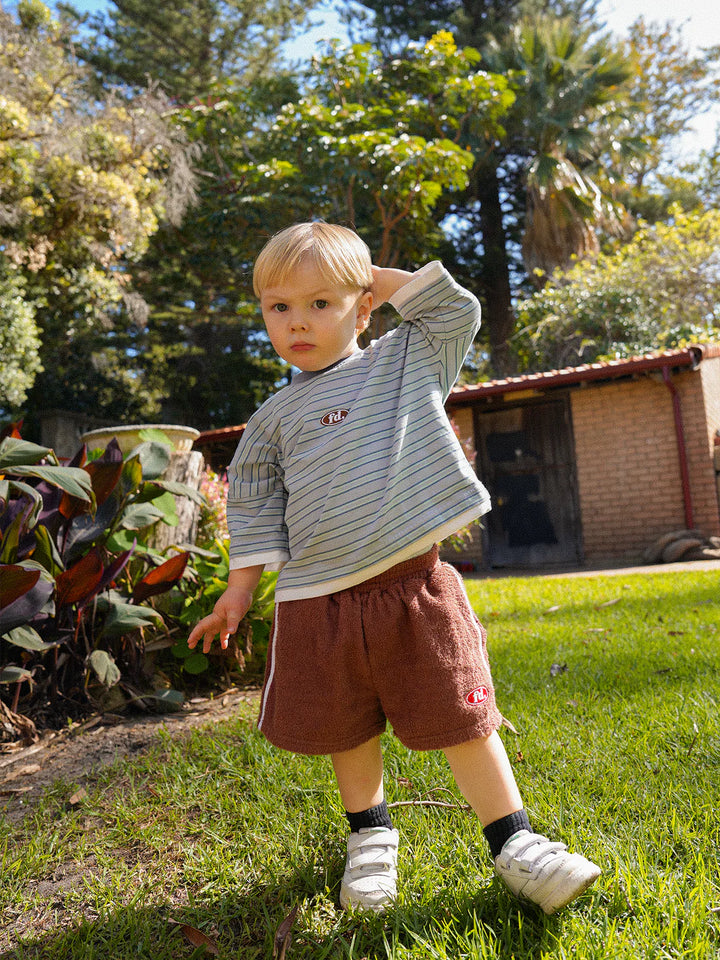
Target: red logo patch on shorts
{"points": [[477, 696], [336, 416]]}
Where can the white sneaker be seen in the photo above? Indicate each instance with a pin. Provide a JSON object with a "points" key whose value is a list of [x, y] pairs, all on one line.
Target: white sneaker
{"points": [[370, 878], [544, 872]]}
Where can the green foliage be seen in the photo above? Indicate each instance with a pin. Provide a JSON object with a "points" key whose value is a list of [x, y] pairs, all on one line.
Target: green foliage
{"points": [[74, 578], [593, 131], [86, 181], [202, 352], [19, 342], [188, 47], [570, 89], [669, 88], [200, 356], [380, 144], [658, 291], [196, 599]]}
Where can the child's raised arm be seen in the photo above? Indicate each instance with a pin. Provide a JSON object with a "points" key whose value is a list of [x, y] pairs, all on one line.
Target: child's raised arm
{"points": [[229, 610]]}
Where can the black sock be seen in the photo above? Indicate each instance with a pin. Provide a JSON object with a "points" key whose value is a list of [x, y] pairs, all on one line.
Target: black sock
{"points": [[500, 831], [374, 817]]}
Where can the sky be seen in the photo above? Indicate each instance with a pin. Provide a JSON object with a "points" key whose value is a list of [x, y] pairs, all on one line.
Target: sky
{"points": [[698, 19]]}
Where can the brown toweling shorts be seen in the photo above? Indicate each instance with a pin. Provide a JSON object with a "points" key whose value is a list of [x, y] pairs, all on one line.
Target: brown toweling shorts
{"points": [[404, 647]]}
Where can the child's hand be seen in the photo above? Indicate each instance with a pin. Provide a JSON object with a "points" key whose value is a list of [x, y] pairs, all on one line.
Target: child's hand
{"points": [[224, 620], [386, 282]]}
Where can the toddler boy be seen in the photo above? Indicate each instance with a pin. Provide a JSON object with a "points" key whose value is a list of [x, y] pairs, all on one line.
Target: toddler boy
{"points": [[345, 481]]}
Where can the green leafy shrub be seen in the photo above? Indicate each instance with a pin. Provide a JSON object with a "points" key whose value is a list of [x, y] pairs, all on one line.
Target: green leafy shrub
{"points": [[76, 573], [213, 515], [195, 597]]}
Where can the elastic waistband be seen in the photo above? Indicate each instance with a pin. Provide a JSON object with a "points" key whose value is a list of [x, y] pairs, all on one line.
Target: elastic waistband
{"points": [[401, 571]]}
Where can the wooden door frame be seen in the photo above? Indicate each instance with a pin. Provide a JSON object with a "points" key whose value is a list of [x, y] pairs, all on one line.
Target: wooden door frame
{"points": [[560, 399]]}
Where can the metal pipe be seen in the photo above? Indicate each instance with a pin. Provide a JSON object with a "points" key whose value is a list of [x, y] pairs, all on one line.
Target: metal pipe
{"points": [[681, 448]]}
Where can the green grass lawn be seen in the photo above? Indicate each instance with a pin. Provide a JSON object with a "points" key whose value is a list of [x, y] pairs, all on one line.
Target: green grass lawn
{"points": [[612, 685]]}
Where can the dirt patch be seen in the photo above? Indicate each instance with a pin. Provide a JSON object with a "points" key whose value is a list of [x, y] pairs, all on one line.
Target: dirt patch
{"points": [[76, 753]]}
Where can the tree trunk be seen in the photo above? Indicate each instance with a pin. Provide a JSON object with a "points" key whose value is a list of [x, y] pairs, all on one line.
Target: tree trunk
{"points": [[185, 467], [498, 318]]}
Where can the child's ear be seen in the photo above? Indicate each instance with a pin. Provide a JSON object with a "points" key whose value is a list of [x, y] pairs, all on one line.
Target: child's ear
{"points": [[364, 309]]}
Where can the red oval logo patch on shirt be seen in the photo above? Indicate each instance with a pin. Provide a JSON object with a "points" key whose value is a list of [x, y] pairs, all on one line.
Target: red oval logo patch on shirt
{"points": [[477, 696], [336, 416]]}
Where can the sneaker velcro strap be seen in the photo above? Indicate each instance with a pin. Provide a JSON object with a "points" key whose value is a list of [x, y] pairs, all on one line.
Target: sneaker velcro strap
{"points": [[379, 856]]}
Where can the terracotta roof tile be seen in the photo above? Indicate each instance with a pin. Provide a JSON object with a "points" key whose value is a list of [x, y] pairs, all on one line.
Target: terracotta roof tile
{"points": [[690, 356]]}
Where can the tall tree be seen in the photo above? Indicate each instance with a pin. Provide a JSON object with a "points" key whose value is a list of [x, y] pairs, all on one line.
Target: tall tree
{"points": [[203, 347], [561, 83], [200, 358], [85, 182], [572, 89], [187, 47], [383, 144], [669, 88]]}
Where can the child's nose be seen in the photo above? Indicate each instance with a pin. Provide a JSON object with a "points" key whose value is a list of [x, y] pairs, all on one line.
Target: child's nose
{"points": [[298, 322]]}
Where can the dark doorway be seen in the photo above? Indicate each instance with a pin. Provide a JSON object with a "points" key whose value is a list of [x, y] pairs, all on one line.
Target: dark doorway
{"points": [[525, 457]]}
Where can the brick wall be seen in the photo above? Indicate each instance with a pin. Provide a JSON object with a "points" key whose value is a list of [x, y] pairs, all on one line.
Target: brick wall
{"points": [[627, 463]]}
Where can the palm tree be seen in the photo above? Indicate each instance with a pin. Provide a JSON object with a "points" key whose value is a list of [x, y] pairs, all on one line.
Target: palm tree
{"points": [[571, 86]]}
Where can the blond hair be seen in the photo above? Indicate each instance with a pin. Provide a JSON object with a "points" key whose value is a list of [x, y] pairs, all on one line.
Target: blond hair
{"points": [[339, 255]]}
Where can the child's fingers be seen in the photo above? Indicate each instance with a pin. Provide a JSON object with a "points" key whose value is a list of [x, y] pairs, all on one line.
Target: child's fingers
{"points": [[195, 635], [215, 625], [206, 630]]}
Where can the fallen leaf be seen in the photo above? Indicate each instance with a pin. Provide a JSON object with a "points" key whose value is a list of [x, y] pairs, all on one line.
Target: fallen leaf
{"points": [[553, 609], [608, 603], [78, 797], [520, 756], [283, 934], [197, 938]]}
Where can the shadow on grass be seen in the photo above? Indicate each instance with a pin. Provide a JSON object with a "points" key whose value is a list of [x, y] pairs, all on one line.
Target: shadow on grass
{"points": [[244, 925]]}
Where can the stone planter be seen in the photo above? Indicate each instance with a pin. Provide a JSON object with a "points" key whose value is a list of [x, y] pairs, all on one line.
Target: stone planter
{"points": [[129, 437], [186, 466]]}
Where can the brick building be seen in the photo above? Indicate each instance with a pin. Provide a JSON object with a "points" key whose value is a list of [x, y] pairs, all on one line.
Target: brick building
{"points": [[592, 464]]}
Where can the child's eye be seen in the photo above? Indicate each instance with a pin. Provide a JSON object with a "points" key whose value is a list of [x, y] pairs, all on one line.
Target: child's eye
{"points": [[321, 304], [280, 307]]}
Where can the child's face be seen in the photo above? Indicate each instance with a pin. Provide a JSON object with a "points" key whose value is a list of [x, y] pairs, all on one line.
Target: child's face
{"points": [[311, 322]]}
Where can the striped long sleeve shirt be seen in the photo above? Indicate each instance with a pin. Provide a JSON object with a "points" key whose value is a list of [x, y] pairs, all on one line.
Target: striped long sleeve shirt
{"points": [[350, 470]]}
